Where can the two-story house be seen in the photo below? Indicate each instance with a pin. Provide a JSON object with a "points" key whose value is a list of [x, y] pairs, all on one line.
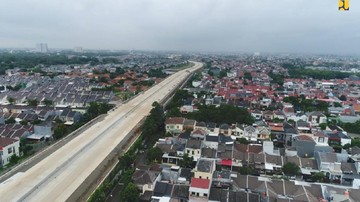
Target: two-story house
{"points": [[193, 148], [199, 189], [204, 168], [8, 148], [146, 179], [174, 125], [316, 118]]}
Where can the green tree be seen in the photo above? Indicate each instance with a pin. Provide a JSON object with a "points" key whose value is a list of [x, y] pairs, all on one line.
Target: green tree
{"points": [[318, 176], [48, 102], [291, 169], [10, 120], [32, 102], [126, 177], [24, 122], [347, 146], [14, 159], [342, 98], [120, 70], [186, 161], [103, 79], [112, 75], [322, 126], [60, 131], [210, 73], [247, 75], [290, 121], [130, 193], [10, 100], [25, 147], [243, 141], [126, 160], [337, 104], [222, 74], [154, 154], [245, 170], [224, 114]]}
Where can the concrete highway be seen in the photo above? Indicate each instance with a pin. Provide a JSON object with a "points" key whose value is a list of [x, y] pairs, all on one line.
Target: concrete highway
{"points": [[57, 176]]}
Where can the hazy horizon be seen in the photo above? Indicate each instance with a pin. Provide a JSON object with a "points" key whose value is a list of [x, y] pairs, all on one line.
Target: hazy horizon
{"points": [[181, 25]]}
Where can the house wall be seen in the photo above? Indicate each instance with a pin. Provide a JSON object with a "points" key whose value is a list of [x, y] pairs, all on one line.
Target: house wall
{"points": [[150, 186], [357, 166], [213, 145], [203, 175], [195, 153], [8, 151], [356, 183], [238, 132], [345, 141], [202, 192], [174, 128], [316, 120], [324, 166]]}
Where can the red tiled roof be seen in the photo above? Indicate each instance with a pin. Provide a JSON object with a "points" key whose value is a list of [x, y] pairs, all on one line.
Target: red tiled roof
{"points": [[174, 120], [200, 183], [5, 141], [305, 138], [226, 162], [274, 128]]}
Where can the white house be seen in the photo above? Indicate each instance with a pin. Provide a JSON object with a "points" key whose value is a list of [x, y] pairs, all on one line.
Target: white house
{"points": [[174, 124], [199, 188], [146, 179], [316, 118], [193, 148], [251, 133], [8, 148]]}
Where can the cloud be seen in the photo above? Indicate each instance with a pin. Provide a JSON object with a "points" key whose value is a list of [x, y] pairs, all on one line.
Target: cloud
{"points": [[203, 25]]}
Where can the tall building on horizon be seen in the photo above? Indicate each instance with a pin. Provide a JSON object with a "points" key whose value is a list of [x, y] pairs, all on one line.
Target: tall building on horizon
{"points": [[42, 47], [78, 49]]}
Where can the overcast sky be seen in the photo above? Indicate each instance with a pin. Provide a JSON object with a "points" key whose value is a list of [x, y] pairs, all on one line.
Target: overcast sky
{"points": [[303, 26]]}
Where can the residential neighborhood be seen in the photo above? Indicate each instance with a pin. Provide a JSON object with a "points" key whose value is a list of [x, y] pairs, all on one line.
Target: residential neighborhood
{"points": [[39, 106], [297, 124], [242, 128]]}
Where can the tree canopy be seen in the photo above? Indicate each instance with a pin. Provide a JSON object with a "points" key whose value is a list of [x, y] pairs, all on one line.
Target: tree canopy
{"points": [[223, 114], [186, 161], [130, 193], [301, 72], [291, 169], [351, 127], [307, 105], [154, 123], [154, 154]]}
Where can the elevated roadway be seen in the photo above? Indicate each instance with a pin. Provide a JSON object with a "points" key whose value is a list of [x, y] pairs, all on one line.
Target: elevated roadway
{"points": [[57, 176]]}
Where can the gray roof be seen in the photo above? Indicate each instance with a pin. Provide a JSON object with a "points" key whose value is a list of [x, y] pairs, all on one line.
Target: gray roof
{"points": [[186, 173], [193, 144], [204, 165], [180, 192], [273, 159], [327, 157], [348, 167], [308, 163], [163, 189], [208, 152], [142, 177], [355, 150], [217, 194], [211, 138], [189, 122]]}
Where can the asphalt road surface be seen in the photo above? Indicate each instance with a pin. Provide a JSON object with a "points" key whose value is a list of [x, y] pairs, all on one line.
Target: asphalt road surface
{"points": [[57, 176]]}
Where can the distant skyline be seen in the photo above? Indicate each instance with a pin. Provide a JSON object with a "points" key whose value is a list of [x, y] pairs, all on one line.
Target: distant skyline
{"points": [[296, 26]]}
